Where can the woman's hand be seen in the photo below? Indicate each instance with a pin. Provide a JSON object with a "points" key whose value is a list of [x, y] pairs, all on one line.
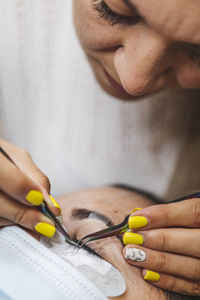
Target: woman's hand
{"points": [[168, 236], [23, 186]]}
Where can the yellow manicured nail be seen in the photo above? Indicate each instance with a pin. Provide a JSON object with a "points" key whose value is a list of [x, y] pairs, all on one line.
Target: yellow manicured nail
{"points": [[45, 229], [55, 203], [137, 222], [137, 208], [35, 197], [152, 276], [132, 238]]}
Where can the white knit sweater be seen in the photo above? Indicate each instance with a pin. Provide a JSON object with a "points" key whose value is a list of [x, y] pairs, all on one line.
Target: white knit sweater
{"points": [[51, 104]]}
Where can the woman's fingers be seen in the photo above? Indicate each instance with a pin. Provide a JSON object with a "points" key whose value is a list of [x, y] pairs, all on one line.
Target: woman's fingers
{"points": [[17, 185], [176, 240], [13, 182], [23, 160], [178, 261], [23, 186], [168, 271], [31, 218], [172, 283], [161, 262], [181, 214], [5, 222], [25, 164]]}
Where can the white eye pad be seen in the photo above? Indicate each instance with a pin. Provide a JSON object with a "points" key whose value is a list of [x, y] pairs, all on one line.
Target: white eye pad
{"points": [[103, 275]]}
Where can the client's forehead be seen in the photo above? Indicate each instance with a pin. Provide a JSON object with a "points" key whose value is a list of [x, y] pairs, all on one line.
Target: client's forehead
{"points": [[109, 200]]}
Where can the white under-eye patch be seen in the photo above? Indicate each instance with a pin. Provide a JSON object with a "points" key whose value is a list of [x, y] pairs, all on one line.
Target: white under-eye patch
{"points": [[103, 275], [135, 254]]}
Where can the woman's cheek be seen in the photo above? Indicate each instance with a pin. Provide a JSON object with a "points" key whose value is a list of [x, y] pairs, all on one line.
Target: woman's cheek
{"points": [[188, 76], [110, 249], [85, 23], [93, 31], [187, 69]]}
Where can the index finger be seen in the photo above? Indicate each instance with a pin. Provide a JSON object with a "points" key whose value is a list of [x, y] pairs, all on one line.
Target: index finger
{"points": [[185, 213], [17, 185], [28, 174]]}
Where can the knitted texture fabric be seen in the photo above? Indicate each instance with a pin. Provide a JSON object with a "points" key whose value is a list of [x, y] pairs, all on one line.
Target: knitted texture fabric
{"points": [[51, 105]]}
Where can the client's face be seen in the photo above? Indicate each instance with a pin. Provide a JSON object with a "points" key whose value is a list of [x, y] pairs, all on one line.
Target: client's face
{"points": [[110, 205]]}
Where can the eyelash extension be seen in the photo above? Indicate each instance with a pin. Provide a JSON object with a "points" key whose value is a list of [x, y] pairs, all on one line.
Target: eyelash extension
{"points": [[106, 13], [85, 247]]}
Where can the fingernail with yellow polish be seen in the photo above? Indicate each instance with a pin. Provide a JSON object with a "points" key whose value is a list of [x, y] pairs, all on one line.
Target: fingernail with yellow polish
{"points": [[137, 208], [35, 197], [55, 203], [137, 222], [132, 238], [45, 229], [152, 276]]}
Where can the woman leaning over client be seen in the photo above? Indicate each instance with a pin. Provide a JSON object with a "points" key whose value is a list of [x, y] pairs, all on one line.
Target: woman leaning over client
{"points": [[137, 49]]}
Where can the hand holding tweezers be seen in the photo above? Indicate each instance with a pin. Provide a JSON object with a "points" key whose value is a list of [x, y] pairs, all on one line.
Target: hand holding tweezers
{"points": [[121, 227], [46, 211], [58, 223]]}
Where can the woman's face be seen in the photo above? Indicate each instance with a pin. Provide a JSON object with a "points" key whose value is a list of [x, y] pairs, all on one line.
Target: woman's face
{"points": [[114, 204], [128, 56]]}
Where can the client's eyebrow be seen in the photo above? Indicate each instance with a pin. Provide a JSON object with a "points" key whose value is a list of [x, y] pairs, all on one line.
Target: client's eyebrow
{"points": [[81, 213]]}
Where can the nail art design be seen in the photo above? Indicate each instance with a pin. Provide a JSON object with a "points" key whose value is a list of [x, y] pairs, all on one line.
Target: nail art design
{"points": [[135, 254]]}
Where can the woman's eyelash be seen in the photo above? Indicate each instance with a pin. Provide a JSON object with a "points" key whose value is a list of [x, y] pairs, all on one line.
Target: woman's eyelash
{"points": [[114, 18]]}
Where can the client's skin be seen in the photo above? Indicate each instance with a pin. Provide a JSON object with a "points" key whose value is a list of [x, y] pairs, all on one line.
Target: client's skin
{"points": [[115, 204]]}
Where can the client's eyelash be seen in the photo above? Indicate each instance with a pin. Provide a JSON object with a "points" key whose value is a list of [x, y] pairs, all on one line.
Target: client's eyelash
{"points": [[114, 18]]}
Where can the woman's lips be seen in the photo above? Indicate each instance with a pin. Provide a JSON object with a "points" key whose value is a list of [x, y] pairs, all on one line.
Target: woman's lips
{"points": [[116, 85]]}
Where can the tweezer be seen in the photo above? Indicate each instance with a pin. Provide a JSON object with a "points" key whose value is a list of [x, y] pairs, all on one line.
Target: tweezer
{"points": [[57, 220], [122, 227], [108, 232], [46, 211]]}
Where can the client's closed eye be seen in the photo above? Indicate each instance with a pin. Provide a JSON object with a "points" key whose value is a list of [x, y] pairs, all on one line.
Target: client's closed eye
{"points": [[85, 247], [81, 214]]}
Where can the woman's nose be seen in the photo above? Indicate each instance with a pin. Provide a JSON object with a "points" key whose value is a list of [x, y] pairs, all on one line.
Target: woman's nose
{"points": [[143, 63]]}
